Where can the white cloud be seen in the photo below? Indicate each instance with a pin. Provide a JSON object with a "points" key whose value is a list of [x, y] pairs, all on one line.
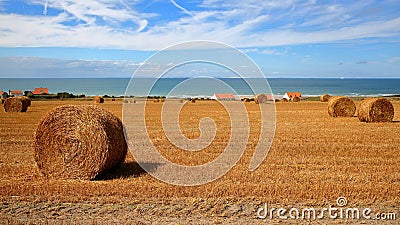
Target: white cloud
{"points": [[246, 24], [46, 67]]}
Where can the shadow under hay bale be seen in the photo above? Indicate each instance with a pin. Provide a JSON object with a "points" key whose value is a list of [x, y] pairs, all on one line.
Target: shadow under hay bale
{"points": [[340, 106], [127, 170], [295, 99], [79, 142], [324, 98], [17, 104], [375, 110], [98, 99], [261, 99]]}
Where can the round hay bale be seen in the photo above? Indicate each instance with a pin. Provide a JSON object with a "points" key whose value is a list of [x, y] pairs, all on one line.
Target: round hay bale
{"points": [[16, 104], [277, 100], [193, 101], [98, 99], [340, 106], [295, 99], [375, 110], [79, 142], [261, 98], [325, 98], [284, 100]]}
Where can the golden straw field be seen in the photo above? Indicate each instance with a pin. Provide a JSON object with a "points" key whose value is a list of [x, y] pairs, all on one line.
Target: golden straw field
{"points": [[314, 160]]}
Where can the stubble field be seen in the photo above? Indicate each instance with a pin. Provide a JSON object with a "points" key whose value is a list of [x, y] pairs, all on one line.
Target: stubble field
{"points": [[314, 160]]}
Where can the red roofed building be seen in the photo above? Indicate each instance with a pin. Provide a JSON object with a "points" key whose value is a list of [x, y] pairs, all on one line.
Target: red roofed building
{"points": [[223, 97], [290, 95], [16, 93], [40, 91]]}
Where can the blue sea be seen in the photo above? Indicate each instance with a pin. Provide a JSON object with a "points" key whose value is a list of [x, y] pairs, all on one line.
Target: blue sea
{"points": [[205, 87]]}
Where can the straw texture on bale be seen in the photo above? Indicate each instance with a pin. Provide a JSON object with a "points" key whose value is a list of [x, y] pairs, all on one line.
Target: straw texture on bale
{"points": [[295, 99], [340, 106], [17, 104], [79, 142], [325, 98], [375, 110], [98, 99], [284, 100], [261, 98]]}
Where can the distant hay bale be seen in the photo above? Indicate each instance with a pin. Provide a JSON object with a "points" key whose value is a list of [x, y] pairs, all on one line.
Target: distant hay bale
{"points": [[284, 100], [261, 98], [79, 142], [17, 104], [375, 110], [246, 100], [98, 99], [193, 101], [340, 106], [156, 100], [2, 101], [295, 99], [325, 98], [277, 100]]}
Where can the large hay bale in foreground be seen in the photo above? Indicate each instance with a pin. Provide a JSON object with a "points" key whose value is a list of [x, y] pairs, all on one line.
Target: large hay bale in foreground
{"points": [[98, 99], [295, 99], [325, 98], [261, 98], [17, 104], [79, 142], [340, 106], [375, 110]]}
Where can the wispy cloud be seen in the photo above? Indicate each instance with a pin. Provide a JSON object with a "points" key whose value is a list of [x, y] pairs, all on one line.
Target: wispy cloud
{"points": [[246, 24], [181, 8], [45, 67]]}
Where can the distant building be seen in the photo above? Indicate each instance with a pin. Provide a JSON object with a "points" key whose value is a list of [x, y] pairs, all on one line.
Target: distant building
{"points": [[225, 97], [290, 95], [16, 93], [40, 91]]}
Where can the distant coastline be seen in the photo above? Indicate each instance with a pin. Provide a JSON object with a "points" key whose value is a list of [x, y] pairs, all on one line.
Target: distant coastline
{"points": [[310, 87]]}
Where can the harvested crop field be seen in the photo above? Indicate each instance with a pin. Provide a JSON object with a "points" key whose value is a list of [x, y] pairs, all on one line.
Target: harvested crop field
{"points": [[314, 160]]}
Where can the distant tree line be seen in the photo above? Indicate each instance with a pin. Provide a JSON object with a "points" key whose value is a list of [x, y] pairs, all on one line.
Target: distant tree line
{"points": [[60, 95]]}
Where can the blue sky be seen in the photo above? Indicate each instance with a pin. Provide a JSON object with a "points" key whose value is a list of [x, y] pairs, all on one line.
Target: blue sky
{"points": [[286, 38]]}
